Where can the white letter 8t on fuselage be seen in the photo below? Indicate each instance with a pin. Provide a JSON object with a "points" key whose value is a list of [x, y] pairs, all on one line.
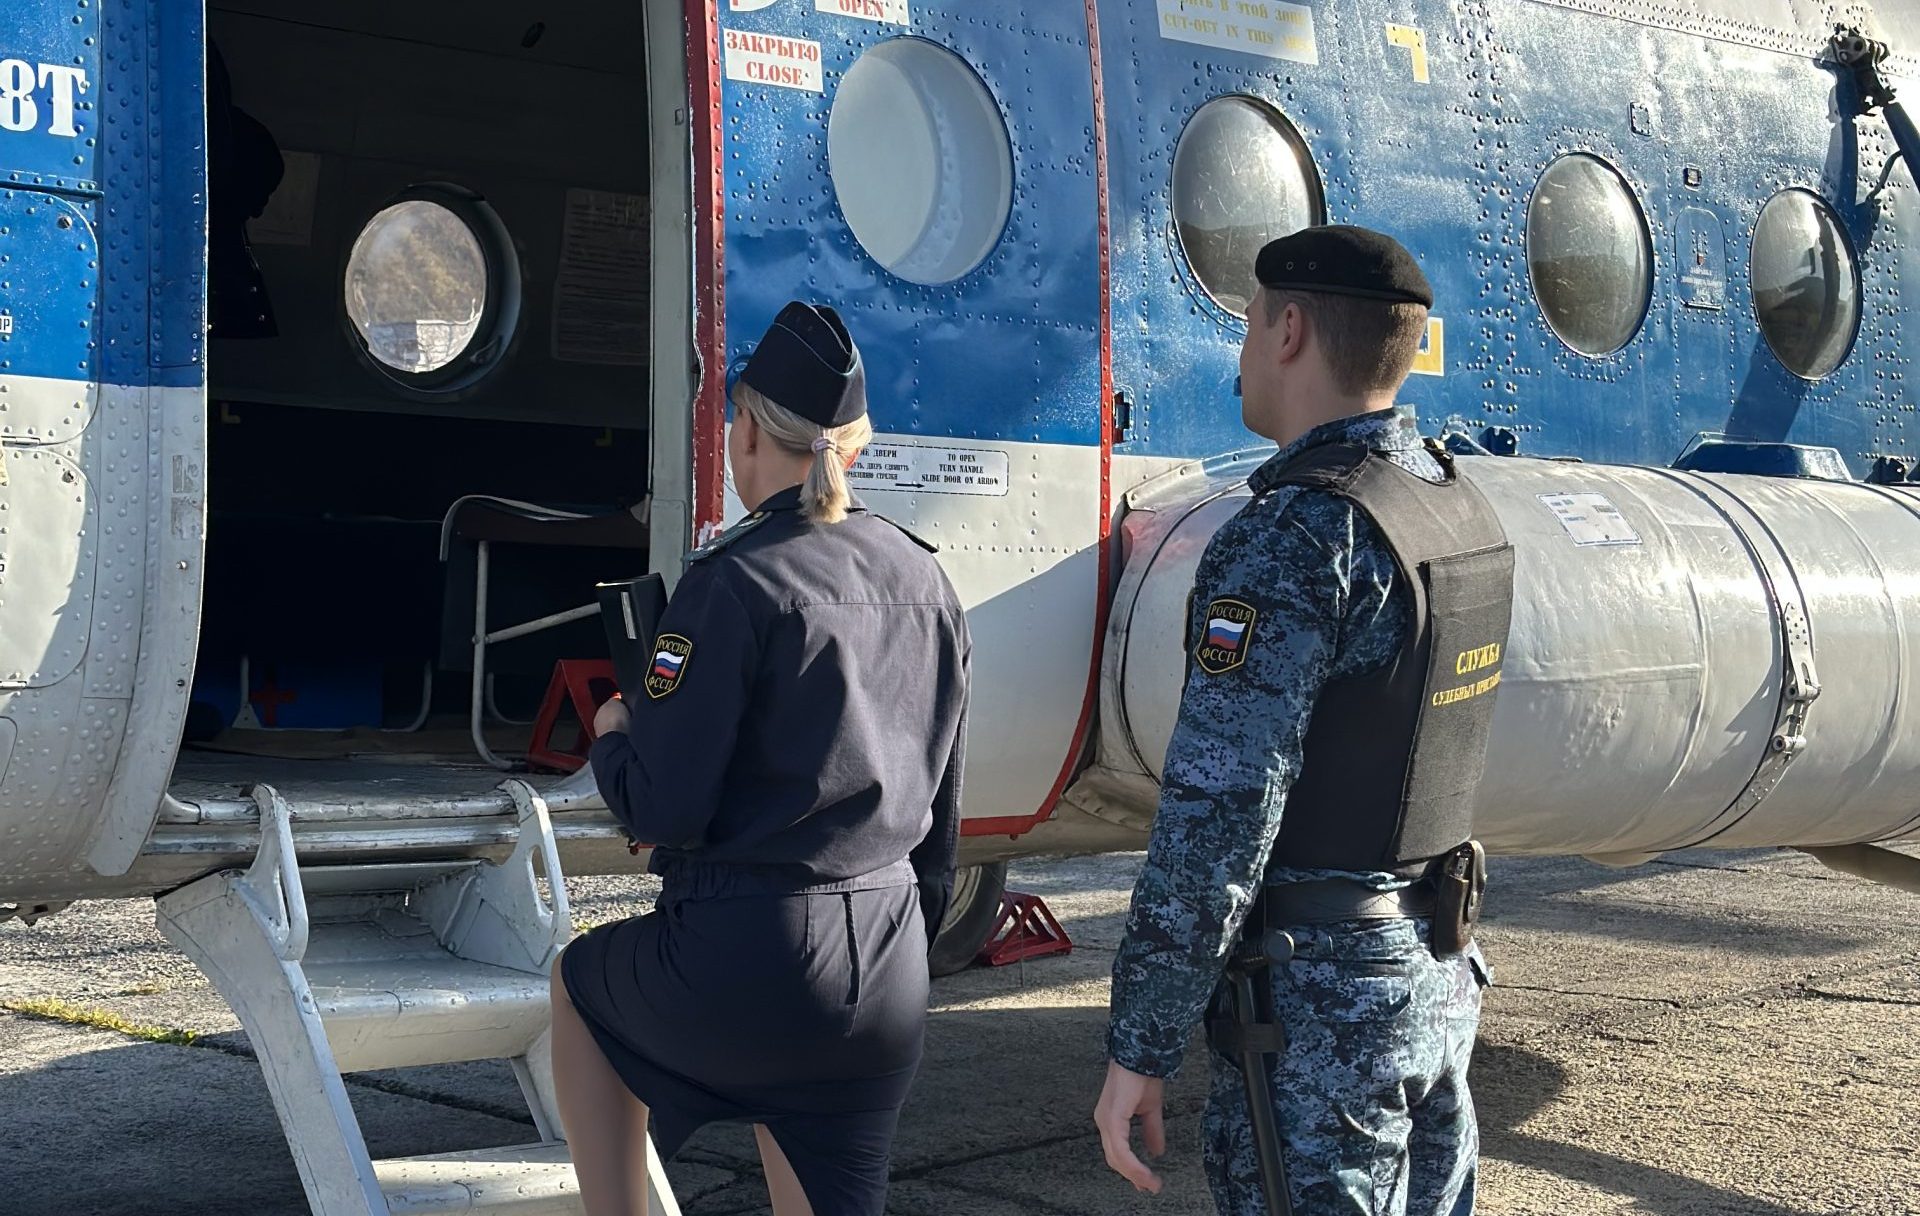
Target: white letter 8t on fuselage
{"points": [[33, 93]]}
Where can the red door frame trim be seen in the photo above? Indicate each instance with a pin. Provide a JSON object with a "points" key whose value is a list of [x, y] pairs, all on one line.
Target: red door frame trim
{"points": [[709, 267], [1016, 825]]}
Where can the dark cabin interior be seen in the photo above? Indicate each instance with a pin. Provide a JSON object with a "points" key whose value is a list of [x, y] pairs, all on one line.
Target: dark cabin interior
{"points": [[427, 281]]}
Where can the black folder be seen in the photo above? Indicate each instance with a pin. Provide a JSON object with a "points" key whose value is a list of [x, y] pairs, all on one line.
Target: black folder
{"points": [[631, 610]]}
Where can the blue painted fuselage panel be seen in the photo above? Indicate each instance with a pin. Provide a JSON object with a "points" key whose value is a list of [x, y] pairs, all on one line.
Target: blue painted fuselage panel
{"points": [[1704, 131]]}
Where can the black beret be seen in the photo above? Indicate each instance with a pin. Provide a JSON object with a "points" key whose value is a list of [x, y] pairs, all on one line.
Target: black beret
{"points": [[807, 363], [1344, 261]]}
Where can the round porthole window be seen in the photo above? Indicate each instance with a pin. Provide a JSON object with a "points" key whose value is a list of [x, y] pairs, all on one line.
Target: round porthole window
{"points": [[920, 160], [432, 289], [1242, 176], [1589, 254], [1806, 288]]}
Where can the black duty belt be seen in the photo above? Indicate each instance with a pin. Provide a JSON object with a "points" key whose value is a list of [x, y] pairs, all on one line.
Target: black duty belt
{"points": [[1328, 900]]}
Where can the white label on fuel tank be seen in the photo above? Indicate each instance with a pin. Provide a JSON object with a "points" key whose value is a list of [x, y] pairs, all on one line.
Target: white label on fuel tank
{"points": [[1590, 519]]}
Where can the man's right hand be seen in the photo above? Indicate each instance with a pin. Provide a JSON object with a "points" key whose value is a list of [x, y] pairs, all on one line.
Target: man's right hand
{"points": [[1125, 1095]]}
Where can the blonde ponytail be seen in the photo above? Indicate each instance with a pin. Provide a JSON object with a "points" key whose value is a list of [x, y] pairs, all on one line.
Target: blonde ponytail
{"points": [[824, 496]]}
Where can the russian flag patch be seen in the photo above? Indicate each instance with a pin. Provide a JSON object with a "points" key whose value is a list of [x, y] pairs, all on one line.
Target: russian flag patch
{"points": [[1225, 633], [670, 655]]}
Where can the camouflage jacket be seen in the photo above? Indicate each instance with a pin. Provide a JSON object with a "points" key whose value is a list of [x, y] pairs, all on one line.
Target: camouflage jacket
{"points": [[1330, 605]]}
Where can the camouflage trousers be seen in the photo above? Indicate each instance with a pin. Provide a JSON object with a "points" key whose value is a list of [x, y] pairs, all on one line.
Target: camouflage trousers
{"points": [[1370, 1095]]}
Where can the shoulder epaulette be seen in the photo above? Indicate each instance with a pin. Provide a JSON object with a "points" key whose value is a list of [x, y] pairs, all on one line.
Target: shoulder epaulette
{"points": [[727, 538], [910, 534]]}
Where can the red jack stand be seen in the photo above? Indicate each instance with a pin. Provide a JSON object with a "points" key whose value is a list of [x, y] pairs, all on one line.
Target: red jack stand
{"points": [[1026, 929], [586, 684]]}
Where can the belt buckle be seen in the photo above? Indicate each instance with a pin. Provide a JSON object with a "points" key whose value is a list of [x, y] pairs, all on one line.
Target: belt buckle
{"points": [[1278, 946]]}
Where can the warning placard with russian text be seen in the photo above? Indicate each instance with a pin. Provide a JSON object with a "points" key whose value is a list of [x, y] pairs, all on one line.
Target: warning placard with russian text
{"points": [[787, 63], [914, 469]]}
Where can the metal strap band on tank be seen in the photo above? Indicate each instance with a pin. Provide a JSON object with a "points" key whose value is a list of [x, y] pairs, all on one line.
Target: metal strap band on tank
{"points": [[1909, 498], [1800, 683]]}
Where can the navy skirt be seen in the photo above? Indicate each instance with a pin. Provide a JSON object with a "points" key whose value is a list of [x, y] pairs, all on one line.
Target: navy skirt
{"points": [[805, 1012]]}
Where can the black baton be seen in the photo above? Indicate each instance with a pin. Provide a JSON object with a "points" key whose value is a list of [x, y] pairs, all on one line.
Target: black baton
{"points": [[1253, 1010]]}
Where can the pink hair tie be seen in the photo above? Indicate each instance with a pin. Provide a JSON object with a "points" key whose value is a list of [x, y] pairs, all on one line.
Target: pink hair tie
{"points": [[822, 444]]}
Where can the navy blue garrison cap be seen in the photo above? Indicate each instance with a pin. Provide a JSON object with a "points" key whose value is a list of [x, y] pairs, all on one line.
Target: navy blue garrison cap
{"points": [[1344, 261], [807, 363]]}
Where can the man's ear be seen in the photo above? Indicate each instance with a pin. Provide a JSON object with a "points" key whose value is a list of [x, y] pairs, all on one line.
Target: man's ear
{"points": [[1293, 324]]}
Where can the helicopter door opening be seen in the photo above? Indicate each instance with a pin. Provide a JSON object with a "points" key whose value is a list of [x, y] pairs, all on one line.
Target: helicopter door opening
{"points": [[428, 301]]}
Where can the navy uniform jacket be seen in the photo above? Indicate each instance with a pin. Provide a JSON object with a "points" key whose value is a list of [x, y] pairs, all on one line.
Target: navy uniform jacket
{"points": [[1332, 606], [804, 717]]}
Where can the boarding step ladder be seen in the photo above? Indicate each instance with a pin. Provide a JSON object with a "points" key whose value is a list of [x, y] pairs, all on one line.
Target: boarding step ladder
{"points": [[335, 969]]}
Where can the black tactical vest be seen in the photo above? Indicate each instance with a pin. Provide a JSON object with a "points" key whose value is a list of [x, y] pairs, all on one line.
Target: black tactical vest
{"points": [[1393, 758]]}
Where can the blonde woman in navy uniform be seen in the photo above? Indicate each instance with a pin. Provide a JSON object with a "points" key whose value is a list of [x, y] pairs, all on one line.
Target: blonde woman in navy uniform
{"points": [[795, 761]]}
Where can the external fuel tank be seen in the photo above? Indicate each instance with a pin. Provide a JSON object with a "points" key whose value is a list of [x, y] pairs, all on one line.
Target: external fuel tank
{"points": [[1694, 658]]}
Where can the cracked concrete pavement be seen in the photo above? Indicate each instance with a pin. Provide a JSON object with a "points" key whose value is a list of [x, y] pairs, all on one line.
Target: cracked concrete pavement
{"points": [[1715, 1033]]}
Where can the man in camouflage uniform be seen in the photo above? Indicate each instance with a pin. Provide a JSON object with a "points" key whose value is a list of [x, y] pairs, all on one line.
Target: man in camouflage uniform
{"points": [[1370, 1090]]}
